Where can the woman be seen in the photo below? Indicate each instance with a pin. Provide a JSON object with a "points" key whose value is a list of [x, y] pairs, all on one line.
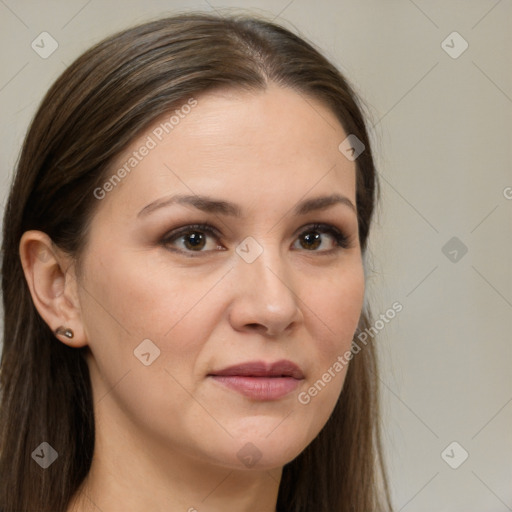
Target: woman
{"points": [[183, 279]]}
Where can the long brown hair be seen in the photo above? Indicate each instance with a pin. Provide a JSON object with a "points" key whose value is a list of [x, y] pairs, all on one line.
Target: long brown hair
{"points": [[93, 111]]}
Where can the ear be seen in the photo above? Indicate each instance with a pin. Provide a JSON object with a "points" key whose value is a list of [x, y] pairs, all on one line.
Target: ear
{"points": [[50, 275]]}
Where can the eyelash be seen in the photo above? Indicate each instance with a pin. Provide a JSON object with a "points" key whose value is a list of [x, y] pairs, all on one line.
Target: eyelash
{"points": [[341, 240]]}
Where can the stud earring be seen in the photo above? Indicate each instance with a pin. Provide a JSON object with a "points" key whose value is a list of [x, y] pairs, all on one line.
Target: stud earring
{"points": [[65, 331]]}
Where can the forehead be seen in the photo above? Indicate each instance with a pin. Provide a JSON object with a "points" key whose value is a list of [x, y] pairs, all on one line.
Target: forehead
{"points": [[230, 141]]}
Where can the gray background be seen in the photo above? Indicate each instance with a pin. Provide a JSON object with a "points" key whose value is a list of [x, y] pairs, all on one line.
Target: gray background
{"points": [[442, 136]]}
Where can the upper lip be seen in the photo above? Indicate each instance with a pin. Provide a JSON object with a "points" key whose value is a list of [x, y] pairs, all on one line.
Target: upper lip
{"points": [[282, 368]]}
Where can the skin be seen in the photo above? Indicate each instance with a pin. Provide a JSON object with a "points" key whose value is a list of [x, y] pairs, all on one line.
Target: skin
{"points": [[167, 434]]}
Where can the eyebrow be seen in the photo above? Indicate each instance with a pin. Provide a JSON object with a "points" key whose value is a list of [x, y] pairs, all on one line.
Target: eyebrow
{"points": [[209, 205]]}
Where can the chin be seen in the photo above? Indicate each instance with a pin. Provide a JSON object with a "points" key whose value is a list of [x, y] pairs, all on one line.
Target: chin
{"points": [[263, 450]]}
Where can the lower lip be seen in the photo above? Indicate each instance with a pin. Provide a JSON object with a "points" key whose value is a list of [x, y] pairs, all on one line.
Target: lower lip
{"points": [[259, 388]]}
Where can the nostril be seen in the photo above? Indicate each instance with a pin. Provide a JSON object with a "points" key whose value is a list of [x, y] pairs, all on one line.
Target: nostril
{"points": [[259, 328]]}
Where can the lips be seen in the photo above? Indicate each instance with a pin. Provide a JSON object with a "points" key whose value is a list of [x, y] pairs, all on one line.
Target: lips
{"points": [[283, 368], [260, 381]]}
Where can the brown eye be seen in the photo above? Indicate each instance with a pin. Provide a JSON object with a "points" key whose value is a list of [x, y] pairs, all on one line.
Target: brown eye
{"points": [[311, 240], [328, 237], [195, 238]]}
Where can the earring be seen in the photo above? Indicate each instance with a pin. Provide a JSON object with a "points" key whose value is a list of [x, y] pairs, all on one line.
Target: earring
{"points": [[65, 331]]}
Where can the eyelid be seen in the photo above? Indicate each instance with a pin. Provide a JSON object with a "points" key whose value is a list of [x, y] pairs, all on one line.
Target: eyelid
{"points": [[191, 227]]}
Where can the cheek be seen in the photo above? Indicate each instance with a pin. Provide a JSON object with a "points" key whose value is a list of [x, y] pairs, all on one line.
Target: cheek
{"points": [[134, 310], [336, 308], [142, 299]]}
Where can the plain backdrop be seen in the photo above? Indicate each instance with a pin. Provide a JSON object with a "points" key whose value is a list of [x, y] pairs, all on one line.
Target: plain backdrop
{"points": [[436, 78]]}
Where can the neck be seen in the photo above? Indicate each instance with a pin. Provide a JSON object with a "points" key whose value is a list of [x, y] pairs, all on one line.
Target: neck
{"points": [[131, 474]]}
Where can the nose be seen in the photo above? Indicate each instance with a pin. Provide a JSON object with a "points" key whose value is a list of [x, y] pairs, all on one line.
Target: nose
{"points": [[264, 299]]}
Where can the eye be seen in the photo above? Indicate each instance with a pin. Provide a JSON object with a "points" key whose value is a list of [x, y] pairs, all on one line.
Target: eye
{"points": [[315, 236], [193, 238], [198, 238]]}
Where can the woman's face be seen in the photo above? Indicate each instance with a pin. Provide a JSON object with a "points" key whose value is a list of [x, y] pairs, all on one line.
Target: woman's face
{"points": [[167, 306]]}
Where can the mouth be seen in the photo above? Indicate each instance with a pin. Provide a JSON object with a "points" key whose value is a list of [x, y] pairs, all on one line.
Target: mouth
{"points": [[261, 381]]}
